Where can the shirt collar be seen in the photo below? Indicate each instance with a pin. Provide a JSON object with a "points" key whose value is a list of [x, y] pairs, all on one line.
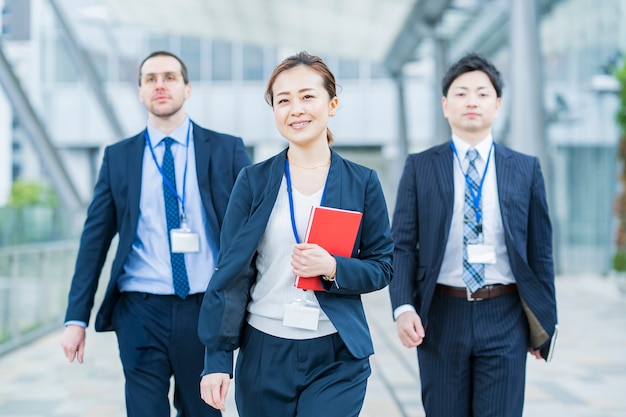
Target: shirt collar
{"points": [[179, 134], [483, 147]]}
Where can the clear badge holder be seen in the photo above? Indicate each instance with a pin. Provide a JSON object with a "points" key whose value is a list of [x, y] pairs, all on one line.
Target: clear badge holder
{"points": [[480, 253], [183, 239], [301, 314]]}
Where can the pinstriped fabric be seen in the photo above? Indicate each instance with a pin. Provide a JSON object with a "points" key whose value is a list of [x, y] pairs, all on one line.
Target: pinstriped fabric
{"points": [[459, 329], [426, 191], [473, 358], [528, 236], [422, 217]]}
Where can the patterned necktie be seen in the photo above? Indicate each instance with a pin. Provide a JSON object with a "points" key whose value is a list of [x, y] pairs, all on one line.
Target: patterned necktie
{"points": [[179, 271], [473, 274]]}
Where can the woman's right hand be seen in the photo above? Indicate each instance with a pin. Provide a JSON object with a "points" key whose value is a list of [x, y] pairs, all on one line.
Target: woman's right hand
{"points": [[213, 390]]}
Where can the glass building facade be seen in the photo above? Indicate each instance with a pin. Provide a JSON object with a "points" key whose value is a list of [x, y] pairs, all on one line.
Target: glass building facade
{"points": [[581, 41]]}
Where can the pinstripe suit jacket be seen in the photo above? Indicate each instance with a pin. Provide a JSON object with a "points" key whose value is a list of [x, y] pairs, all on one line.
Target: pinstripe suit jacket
{"points": [[421, 224]]}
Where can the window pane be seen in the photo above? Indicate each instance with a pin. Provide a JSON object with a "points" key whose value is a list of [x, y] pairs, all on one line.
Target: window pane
{"points": [[221, 61], [158, 43], [190, 53], [378, 71], [252, 63], [348, 69], [100, 64], [64, 69]]}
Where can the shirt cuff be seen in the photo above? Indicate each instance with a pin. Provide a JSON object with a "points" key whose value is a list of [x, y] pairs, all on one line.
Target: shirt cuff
{"points": [[403, 309], [76, 323]]}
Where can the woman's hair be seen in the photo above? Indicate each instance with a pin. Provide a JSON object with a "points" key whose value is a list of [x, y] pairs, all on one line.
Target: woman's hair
{"points": [[315, 63]]}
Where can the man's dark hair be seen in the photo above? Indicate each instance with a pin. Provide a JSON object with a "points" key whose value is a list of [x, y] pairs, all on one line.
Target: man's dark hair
{"points": [[183, 68], [472, 62]]}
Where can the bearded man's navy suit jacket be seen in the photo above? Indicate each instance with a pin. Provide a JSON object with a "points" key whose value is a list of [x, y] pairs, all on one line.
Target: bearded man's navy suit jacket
{"points": [[426, 197], [115, 209]]}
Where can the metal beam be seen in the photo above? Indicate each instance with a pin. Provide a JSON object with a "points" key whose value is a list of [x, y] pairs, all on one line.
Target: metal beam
{"points": [[418, 25], [526, 114], [442, 127], [35, 130], [403, 136], [485, 34], [86, 68], [527, 132], [489, 29]]}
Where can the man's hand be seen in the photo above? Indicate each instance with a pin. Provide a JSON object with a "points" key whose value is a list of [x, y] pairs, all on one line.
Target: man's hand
{"points": [[535, 352], [410, 329], [213, 390], [73, 342]]}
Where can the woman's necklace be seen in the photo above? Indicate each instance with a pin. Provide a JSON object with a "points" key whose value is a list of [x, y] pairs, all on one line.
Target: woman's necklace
{"points": [[325, 164]]}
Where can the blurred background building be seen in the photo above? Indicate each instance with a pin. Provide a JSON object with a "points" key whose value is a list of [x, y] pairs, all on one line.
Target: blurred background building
{"points": [[69, 71]]}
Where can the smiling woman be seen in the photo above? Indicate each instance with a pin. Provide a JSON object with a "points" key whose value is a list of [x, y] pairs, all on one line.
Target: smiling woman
{"points": [[314, 84], [302, 108], [301, 352]]}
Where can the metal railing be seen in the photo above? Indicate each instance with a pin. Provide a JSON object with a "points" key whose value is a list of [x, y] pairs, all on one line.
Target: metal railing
{"points": [[34, 283]]}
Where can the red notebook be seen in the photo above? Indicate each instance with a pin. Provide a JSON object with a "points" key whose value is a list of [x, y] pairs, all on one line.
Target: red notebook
{"points": [[333, 229]]}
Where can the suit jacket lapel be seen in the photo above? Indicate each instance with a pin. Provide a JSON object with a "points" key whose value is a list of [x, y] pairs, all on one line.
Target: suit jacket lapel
{"points": [[271, 188], [264, 200], [443, 167], [332, 197], [276, 176], [135, 172], [202, 146], [504, 173]]}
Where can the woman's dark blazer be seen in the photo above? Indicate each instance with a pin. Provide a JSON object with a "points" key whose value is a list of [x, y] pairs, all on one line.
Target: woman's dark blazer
{"points": [[349, 186]]}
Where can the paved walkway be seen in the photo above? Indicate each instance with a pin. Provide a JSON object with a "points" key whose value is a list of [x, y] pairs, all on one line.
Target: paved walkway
{"points": [[587, 377]]}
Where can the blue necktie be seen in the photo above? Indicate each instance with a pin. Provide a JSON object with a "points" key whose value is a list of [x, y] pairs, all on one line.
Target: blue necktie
{"points": [[172, 214], [473, 274]]}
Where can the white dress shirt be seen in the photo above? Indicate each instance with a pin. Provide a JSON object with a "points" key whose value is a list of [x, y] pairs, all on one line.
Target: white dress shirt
{"points": [[148, 267], [274, 287], [452, 266]]}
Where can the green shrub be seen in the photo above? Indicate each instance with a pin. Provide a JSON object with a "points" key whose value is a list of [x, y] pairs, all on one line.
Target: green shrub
{"points": [[30, 193], [619, 259]]}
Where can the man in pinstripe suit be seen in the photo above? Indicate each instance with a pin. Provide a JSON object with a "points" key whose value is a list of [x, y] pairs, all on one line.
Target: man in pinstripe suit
{"points": [[473, 282]]}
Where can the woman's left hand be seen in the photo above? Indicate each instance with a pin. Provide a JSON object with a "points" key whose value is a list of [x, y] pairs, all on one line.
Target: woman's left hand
{"points": [[213, 389]]}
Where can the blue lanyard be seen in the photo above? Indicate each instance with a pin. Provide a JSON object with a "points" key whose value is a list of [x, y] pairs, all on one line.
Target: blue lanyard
{"points": [[475, 197], [289, 192], [168, 184]]}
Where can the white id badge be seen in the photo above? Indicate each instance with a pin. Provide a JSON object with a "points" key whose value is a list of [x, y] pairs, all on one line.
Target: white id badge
{"points": [[481, 254], [184, 241], [302, 315]]}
